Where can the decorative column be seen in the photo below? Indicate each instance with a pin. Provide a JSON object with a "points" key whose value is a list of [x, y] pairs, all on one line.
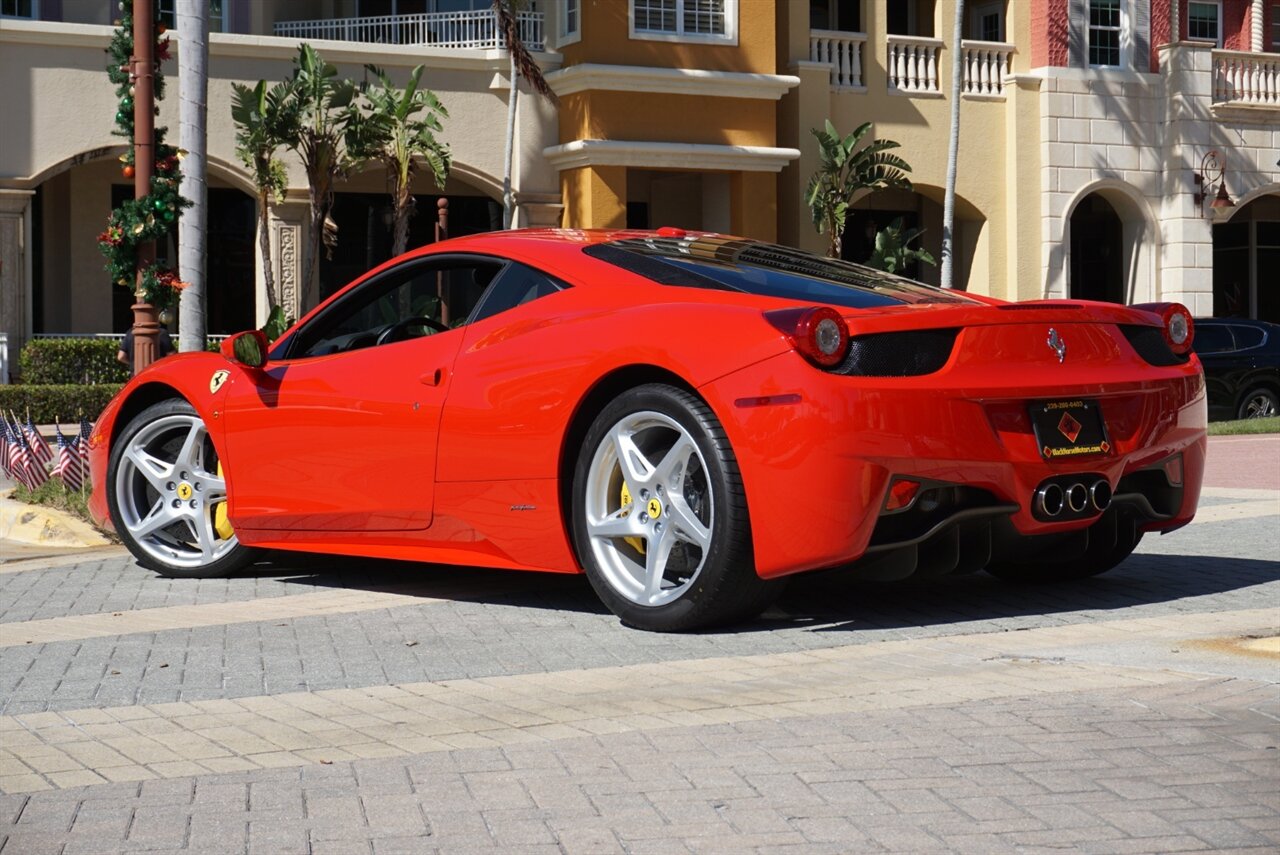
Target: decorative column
{"points": [[15, 290], [288, 233], [1256, 34]]}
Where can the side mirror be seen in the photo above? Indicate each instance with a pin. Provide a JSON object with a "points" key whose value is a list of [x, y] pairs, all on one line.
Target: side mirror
{"points": [[248, 348]]}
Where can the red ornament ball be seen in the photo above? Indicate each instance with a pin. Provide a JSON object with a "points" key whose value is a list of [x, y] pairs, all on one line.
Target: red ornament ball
{"points": [[127, 171]]}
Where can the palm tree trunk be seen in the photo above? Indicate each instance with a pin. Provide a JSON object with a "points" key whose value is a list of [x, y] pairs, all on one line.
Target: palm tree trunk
{"points": [[508, 201], [264, 249], [193, 109], [400, 221], [953, 150]]}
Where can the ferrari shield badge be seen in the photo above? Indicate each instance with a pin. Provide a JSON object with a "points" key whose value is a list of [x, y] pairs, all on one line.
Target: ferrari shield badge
{"points": [[219, 377]]}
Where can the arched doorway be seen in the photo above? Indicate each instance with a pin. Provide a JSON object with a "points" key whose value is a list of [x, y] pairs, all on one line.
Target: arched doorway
{"points": [[70, 292], [363, 214], [921, 208], [1246, 258], [1097, 252]]}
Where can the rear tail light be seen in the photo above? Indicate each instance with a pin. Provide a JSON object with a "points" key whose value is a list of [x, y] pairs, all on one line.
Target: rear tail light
{"points": [[819, 333], [1176, 324]]}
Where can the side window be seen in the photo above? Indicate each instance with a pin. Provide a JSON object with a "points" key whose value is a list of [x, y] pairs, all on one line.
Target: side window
{"points": [[1212, 338], [1247, 337], [516, 286], [420, 298]]}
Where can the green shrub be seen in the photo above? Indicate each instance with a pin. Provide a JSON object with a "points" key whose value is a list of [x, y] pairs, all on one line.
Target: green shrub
{"points": [[61, 361], [50, 403]]}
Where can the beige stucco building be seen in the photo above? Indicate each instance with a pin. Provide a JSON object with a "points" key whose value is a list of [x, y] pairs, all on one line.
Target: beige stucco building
{"points": [[1084, 126]]}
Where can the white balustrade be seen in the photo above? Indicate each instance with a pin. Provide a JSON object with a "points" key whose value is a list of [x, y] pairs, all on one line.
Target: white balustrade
{"points": [[913, 64], [985, 65], [1246, 79], [476, 30], [843, 52]]}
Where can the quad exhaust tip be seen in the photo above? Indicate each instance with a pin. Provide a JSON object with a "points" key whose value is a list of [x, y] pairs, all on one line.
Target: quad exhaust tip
{"points": [[1052, 499]]}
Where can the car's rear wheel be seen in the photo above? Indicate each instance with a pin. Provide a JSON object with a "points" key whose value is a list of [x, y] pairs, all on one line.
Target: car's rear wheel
{"points": [[167, 495], [660, 517], [1259, 403]]}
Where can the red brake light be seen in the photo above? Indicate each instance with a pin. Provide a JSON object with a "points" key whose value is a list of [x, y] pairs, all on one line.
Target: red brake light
{"points": [[818, 333], [1176, 324], [901, 494]]}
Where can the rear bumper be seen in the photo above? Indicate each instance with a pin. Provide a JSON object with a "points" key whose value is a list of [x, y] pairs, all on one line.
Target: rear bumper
{"points": [[817, 466]]}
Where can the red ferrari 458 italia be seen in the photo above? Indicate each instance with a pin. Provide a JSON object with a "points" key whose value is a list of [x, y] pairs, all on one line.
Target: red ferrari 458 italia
{"points": [[687, 418]]}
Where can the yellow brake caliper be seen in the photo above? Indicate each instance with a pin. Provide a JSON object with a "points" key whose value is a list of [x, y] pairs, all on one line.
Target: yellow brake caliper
{"points": [[221, 524], [636, 543]]}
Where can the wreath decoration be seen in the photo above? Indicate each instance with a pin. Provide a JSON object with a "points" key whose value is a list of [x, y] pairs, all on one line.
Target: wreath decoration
{"points": [[152, 217]]}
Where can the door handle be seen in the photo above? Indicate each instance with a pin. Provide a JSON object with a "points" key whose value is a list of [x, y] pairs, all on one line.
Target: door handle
{"points": [[432, 378]]}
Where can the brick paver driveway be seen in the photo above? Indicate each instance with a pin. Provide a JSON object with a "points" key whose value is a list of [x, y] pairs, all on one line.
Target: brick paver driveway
{"points": [[339, 705]]}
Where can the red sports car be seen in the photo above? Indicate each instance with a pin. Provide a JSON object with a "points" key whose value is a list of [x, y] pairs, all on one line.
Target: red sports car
{"points": [[687, 418]]}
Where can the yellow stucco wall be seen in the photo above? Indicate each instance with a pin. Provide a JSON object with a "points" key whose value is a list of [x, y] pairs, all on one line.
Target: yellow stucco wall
{"points": [[594, 197], [606, 39], [660, 117], [998, 167]]}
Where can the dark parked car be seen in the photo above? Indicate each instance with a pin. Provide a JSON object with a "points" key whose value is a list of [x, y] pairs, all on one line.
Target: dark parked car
{"points": [[1241, 366]]}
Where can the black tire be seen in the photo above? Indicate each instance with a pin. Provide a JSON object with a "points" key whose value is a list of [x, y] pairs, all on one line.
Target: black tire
{"points": [[1259, 403], [700, 526], [1107, 548], [170, 434]]}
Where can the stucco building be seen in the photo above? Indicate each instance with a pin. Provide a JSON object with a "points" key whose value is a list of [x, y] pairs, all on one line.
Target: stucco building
{"points": [[1084, 124]]}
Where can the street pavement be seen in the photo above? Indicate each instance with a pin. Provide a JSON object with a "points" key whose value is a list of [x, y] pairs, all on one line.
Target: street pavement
{"points": [[317, 704]]}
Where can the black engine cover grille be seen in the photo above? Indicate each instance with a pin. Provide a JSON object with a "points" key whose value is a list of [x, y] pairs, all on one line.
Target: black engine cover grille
{"points": [[1150, 344], [898, 354]]}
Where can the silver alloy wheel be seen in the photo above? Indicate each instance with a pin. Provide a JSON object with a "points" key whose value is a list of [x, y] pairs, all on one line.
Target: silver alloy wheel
{"points": [[1259, 406], [670, 513], [167, 490]]}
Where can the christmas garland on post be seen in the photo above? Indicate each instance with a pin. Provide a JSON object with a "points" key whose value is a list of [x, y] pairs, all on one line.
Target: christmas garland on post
{"points": [[152, 217]]}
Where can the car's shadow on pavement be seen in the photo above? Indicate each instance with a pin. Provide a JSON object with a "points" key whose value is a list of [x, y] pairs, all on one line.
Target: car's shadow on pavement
{"points": [[825, 602]]}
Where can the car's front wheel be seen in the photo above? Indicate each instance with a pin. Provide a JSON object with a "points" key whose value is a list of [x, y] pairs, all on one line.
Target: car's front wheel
{"points": [[660, 517], [167, 495]]}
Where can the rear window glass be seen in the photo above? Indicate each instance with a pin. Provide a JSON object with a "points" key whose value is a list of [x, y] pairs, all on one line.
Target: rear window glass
{"points": [[765, 269], [1247, 337]]}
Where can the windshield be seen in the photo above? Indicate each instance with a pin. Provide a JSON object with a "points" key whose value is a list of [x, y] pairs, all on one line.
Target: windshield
{"points": [[766, 269]]}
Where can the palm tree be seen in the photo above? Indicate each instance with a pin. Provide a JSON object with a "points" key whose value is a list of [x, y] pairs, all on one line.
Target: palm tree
{"points": [[953, 150], [522, 65], [394, 130], [323, 105], [845, 171], [193, 88], [265, 120]]}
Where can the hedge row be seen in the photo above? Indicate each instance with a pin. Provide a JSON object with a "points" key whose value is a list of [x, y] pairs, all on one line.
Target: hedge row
{"points": [[60, 361], [50, 403]]}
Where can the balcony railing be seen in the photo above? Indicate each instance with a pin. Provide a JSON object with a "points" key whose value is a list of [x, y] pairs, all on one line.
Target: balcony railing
{"points": [[1246, 79], [913, 65], [476, 30], [843, 52], [985, 65]]}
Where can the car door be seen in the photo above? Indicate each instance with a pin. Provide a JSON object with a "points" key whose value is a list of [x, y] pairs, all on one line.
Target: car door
{"points": [[341, 433]]}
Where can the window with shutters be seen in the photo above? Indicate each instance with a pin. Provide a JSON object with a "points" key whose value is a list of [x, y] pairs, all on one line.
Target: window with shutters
{"points": [[1107, 22]]}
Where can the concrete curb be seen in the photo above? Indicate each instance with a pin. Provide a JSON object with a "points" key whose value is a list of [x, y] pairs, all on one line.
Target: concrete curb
{"points": [[41, 526]]}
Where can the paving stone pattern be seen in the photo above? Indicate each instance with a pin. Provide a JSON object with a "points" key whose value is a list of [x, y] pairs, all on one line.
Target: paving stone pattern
{"points": [[482, 711], [1185, 768]]}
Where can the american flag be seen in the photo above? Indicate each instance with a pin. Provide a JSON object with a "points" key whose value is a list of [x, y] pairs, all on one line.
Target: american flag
{"points": [[40, 450], [5, 433], [69, 467], [82, 449], [27, 470]]}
